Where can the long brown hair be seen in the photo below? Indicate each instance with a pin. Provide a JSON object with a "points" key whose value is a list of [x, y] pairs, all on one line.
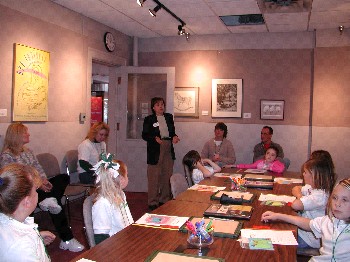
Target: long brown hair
{"points": [[14, 138], [16, 182]]}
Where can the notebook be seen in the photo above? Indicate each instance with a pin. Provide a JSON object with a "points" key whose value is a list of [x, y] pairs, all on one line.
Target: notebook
{"points": [[245, 196], [224, 228], [259, 184], [256, 177], [229, 211]]}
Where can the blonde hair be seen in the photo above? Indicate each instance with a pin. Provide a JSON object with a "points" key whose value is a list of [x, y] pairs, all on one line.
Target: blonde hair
{"points": [[110, 187], [14, 138], [95, 129], [16, 182], [346, 184]]}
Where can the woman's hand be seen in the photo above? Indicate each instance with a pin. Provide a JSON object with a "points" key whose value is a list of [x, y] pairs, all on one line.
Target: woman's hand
{"points": [[47, 237], [46, 186], [176, 139], [159, 140]]}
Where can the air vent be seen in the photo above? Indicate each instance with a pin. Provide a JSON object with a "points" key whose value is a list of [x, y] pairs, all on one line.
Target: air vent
{"points": [[234, 20]]}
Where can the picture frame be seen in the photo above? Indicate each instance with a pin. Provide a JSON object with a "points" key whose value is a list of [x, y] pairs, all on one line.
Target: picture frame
{"points": [[30, 84], [227, 97], [186, 101], [272, 109]]}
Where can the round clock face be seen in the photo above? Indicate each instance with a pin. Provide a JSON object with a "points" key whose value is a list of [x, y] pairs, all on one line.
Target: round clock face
{"points": [[109, 41]]}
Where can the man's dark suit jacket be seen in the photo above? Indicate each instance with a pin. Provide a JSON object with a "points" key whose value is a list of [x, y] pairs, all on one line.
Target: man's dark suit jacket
{"points": [[149, 133]]}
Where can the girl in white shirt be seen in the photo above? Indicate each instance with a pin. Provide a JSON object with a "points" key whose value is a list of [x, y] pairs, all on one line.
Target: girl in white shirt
{"points": [[110, 211], [199, 168], [19, 237], [333, 229]]}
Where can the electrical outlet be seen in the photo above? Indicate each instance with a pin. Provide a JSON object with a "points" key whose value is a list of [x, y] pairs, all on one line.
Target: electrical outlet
{"points": [[205, 113], [247, 115], [3, 112]]}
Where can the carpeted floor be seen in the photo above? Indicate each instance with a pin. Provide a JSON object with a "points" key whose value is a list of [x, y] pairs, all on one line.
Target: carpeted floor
{"points": [[138, 206]]}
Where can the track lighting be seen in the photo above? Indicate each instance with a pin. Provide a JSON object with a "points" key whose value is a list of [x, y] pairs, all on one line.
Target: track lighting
{"points": [[341, 29], [154, 11], [187, 36], [181, 31], [140, 2]]}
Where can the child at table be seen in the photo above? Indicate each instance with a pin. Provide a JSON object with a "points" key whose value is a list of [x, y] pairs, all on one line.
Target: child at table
{"points": [[110, 211], [333, 229], [19, 237], [199, 168], [268, 163]]}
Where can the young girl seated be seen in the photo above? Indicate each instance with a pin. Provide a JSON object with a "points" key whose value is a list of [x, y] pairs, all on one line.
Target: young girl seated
{"points": [[268, 163], [19, 237], [110, 211], [333, 229], [198, 168], [311, 199]]}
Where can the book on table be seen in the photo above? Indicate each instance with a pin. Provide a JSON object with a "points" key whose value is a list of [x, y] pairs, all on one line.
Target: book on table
{"points": [[245, 197], [225, 228], [229, 211], [161, 221], [160, 256], [258, 177], [259, 184]]}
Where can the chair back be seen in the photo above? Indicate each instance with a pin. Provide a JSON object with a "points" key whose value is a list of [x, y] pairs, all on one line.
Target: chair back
{"points": [[49, 163], [178, 184], [72, 161], [87, 213]]}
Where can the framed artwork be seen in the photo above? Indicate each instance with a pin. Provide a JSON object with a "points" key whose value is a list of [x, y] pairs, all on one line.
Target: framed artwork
{"points": [[272, 109], [227, 98], [31, 84], [186, 101]]}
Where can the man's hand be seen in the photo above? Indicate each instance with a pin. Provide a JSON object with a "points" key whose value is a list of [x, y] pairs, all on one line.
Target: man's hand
{"points": [[176, 139]]}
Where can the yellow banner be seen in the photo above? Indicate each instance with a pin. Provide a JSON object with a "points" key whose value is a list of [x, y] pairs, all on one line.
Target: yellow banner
{"points": [[31, 83]]}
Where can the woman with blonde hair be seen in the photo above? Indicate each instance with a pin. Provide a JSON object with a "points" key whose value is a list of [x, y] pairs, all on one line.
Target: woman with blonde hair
{"points": [[110, 211], [51, 190], [89, 151]]}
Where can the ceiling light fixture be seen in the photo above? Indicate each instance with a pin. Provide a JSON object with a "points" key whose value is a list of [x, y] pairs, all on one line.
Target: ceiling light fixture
{"points": [[341, 29], [187, 36], [154, 10], [140, 2], [181, 31]]}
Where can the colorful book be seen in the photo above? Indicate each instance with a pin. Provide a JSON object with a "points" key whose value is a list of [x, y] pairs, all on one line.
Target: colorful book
{"points": [[259, 184], [256, 177], [244, 196], [229, 211], [161, 221], [225, 228]]}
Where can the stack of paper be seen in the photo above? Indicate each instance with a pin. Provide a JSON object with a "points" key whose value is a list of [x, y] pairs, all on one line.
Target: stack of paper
{"points": [[272, 197], [278, 237]]}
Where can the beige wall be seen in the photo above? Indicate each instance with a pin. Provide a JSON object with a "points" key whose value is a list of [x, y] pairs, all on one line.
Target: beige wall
{"points": [[73, 41]]}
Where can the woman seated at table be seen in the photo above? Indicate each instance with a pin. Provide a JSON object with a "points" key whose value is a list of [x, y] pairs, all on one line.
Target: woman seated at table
{"points": [[269, 162], [89, 151], [199, 168], [51, 190]]}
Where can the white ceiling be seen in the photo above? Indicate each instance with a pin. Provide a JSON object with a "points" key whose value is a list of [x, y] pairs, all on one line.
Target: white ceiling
{"points": [[202, 16]]}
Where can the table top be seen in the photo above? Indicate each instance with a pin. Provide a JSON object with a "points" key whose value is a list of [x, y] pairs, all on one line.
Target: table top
{"points": [[136, 243]]}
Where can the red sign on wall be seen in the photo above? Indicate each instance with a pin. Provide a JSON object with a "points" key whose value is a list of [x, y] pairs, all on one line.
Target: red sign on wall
{"points": [[96, 109]]}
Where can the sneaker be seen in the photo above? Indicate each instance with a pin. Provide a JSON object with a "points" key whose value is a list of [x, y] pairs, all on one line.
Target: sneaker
{"points": [[50, 204], [72, 245]]}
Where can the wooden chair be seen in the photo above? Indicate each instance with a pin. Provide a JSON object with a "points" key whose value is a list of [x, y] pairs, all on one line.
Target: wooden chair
{"points": [[178, 184], [51, 167], [89, 232]]}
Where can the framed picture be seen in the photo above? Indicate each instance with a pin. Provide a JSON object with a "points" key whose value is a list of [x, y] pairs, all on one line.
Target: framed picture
{"points": [[227, 98], [31, 84], [186, 101], [272, 109]]}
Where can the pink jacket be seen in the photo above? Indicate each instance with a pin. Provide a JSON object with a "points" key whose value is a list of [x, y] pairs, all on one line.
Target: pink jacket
{"points": [[275, 166]]}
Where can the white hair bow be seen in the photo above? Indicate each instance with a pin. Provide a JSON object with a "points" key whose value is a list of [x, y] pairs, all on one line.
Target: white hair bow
{"points": [[107, 164]]}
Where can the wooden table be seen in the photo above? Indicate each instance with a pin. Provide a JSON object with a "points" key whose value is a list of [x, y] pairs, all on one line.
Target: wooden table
{"points": [[136, 243]]}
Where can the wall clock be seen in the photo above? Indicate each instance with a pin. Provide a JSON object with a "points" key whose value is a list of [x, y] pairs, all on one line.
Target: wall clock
{"points": [[109, 41]]}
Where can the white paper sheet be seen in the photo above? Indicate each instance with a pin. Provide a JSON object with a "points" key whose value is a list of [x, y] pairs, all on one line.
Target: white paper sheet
{"points": [[256, 171], [206, 188], [273, 197], [278, 237], [285, 180]]}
